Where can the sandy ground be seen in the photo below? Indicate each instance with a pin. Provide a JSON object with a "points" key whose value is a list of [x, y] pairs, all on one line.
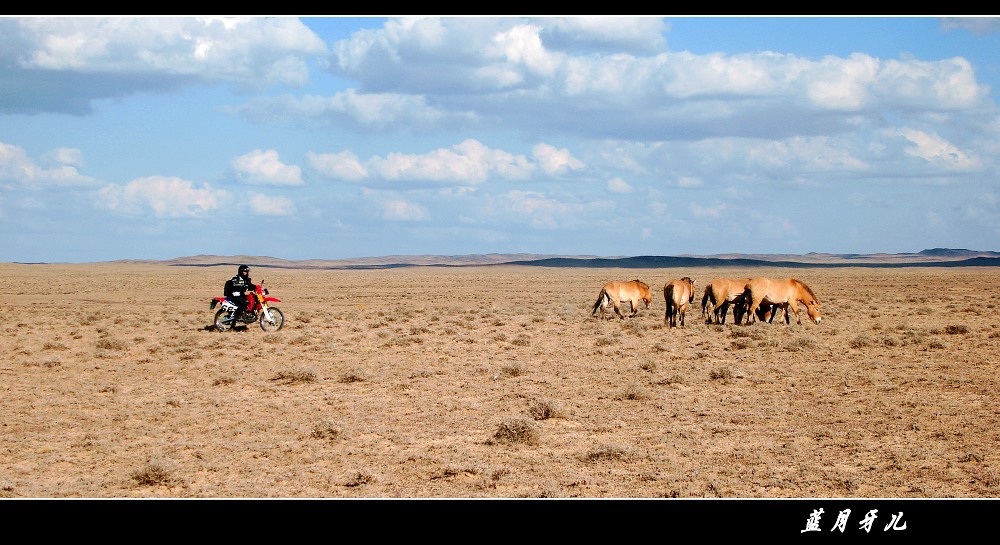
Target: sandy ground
{"points": [[494, 382]]}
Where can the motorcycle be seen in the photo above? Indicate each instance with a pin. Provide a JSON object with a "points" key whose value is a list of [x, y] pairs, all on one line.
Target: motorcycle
{"points": [[258, 310]]}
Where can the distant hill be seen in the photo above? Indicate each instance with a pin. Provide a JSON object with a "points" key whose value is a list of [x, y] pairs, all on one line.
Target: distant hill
{"points": [[936, 257]]}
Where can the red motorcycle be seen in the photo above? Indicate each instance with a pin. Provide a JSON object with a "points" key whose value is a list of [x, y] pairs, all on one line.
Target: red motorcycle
{"points": [[258, 310]]}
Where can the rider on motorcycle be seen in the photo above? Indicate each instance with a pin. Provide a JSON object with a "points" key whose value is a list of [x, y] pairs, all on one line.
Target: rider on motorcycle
{"points": [[238, 291]]}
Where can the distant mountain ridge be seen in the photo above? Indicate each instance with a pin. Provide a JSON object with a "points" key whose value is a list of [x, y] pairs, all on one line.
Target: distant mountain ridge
{"points": [[935, 257]]}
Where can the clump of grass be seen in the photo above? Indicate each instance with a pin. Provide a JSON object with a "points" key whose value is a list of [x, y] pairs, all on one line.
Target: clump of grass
{"points": [[513, 431], [111, 344], [521, 340], [861, 341], [956, 329], [543, 409], [723, 374], [633, 392], [295, 376], [604, 341], [360, 478], [222, 381], [352, 376], [152, 475], [327, 430], [609, 453], [512, 370]]}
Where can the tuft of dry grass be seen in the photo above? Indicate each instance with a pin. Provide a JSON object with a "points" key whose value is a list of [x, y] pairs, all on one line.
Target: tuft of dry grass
{"points": [[295, 376], [152, 475], [515, 431]]}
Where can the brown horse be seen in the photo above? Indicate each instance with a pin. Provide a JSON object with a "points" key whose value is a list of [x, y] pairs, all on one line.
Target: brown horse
{"points": [[765, 312], [678, 294], [786, 293], [616, 293], [721, 293]]}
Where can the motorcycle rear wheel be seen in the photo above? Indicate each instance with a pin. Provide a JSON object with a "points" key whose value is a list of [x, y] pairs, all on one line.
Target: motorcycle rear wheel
{"points": [[219, 324], [279, 320]]}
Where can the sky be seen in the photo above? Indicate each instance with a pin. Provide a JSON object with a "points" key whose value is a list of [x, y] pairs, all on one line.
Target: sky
{"points": [[342, 137]]}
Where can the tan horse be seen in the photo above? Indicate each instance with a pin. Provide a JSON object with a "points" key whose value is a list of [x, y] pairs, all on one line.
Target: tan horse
{"points": [[786, 293], [616, 293], [721, 293], [678, 294]]}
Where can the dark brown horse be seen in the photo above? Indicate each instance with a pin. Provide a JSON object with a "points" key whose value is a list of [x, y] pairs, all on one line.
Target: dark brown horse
{"points": [[678, 294]]}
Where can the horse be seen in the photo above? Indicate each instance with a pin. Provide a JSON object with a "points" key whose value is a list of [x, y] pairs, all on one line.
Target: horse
{"points": [[616, 293], [721, 292], [765, 312], [786, 293], [678, 294]]}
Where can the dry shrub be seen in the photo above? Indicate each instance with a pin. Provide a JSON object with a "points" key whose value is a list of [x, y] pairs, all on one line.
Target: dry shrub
{"points": [[328, 431], [604, 341], [517, 430], [956, 329], [360, 478], [111, 344], [512, 370], [222, 381], [723, 374], [295, 376], [633, 392], [542, 409], [152, 475], [352, 376], [614, 453]]}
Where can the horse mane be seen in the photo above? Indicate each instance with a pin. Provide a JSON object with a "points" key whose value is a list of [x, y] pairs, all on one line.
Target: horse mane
{"points": [[807, 288]]}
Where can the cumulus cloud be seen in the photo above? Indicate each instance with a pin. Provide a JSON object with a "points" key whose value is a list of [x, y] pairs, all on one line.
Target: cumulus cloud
{"points": [[365, 112], [251, 51], [338, 166], [467, 163], [514, 70], [162, 196], [401, 210], [261, 167], [617, 185], [18, 171], [555, 161], [265, 205]]}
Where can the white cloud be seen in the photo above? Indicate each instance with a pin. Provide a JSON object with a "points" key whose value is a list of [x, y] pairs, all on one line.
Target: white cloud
{"points": [[338, 166], [689, 181], [555, 161], [18, 171], [264, 168], [715, 211], [164, 197], [265, 205], [617, 185], [936, 150], [251, 51], [401, 210]]}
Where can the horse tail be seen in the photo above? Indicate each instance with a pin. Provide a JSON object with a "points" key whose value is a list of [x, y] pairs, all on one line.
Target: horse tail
{"points": [[709, 297], [600, 299]]}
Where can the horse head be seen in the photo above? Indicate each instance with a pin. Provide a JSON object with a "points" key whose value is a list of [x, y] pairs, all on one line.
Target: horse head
{"points": [[812, 309], [807, 298]]}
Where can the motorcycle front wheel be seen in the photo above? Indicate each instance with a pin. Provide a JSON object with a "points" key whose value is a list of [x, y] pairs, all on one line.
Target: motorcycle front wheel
{"points": [[277, 317], [219, 324]]}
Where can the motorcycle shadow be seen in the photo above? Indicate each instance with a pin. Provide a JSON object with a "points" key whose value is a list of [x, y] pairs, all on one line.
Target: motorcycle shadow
{"points": [[211, 327]]}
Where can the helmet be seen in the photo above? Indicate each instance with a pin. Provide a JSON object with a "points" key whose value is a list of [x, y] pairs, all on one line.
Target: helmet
{"points": [[242, 269]]}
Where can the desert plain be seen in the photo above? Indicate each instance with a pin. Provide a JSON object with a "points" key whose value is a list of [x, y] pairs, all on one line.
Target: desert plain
{"points": [[494, 382]]}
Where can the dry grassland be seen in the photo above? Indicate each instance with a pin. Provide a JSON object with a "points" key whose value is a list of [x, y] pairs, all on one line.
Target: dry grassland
{"points": [[493, 382]]}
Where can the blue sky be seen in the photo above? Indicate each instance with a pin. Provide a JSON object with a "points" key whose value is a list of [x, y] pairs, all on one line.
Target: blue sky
{"points": [[340, 137]]}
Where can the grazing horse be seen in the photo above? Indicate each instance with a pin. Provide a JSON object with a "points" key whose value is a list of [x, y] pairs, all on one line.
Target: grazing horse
{"points": [[678, 294], [616, 293], [765, 312], [721, 293], [786, 293]]}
